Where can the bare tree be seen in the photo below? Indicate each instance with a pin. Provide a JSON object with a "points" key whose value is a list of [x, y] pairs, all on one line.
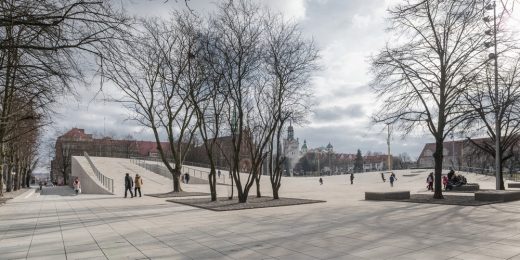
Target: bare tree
{"points": [[421, 76], [481, 98], [149, 68], [207, 95], [41, 41], [289, 61], [238, 27]]}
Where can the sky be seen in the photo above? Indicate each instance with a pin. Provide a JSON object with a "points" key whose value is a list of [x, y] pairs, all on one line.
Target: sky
{"points": [[347, 33]]}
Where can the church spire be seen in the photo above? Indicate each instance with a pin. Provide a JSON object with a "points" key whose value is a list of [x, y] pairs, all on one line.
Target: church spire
{"points": [[290, 132]]}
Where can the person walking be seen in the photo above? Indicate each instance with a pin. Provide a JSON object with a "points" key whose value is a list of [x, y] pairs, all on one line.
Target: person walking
{"points": [[429, 180], [351, 178], [445, 182], [77, 186], [383, 177], [138, 183], [321, 181], [129, 183], [392, 179], [218, 174], [187, 178]]}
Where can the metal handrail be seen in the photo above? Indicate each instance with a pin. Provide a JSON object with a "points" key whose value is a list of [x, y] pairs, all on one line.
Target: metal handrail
{"points": [[162, 170], [107, 182]]}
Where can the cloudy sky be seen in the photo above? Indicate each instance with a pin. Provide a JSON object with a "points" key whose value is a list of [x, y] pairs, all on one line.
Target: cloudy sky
{"points": [[347, 32]]}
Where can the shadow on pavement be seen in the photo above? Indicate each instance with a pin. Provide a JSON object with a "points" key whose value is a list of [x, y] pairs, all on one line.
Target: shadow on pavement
{"points": [[58, 190]]}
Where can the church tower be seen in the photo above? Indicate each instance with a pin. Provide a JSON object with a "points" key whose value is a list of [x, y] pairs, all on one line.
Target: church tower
{"points": [[303, 151], [291, 150], [290, 132]]}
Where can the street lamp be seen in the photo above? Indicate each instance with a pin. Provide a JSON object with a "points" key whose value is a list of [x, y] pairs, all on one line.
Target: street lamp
{"points": [[494, 56], [389, 157], [452, 151]]}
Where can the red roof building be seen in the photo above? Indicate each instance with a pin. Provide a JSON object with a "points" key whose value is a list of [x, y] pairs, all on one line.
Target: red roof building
{"points": [[76, 142]]}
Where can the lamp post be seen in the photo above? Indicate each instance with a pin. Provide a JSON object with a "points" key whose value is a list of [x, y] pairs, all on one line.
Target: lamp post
{"points": [[494, 56], [389, 157], [452, 151]]}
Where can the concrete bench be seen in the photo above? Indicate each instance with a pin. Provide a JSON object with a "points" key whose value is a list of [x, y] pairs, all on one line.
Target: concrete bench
{"points": [[467, 187], [389, 195], [497, 195], [513, 185]]}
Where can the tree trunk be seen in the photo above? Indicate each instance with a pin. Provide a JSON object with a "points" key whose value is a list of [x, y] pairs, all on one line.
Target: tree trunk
{"points": [[212, 183], [438, 156], [275, 191], [258, 193], [176, 177], [501, 174], [28, 179], [176, 183], [232, 184], [2, 180], [242, 198], [9, 186], [16, 185]]}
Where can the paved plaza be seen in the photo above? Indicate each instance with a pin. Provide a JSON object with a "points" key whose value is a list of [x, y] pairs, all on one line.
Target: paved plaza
{"points": [[55, 224]]}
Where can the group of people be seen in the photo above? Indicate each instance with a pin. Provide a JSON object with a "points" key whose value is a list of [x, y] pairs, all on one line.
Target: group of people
{"points": [[135, 183], [392, 178], [448, 181]]}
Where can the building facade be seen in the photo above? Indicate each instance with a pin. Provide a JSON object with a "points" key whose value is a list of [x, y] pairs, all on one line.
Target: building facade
{"points": [[76, 142], [465, 155]]}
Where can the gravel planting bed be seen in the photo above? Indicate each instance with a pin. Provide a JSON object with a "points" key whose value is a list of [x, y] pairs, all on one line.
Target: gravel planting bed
{"points": [[225, 204], [177, 194]]}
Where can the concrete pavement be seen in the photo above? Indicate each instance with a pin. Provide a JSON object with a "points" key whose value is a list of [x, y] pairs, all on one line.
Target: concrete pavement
{"points": [[58, 226]]}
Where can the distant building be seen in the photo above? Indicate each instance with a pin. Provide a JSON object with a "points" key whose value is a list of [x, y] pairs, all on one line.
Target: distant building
{"points": [[375, 162], [291, 150], [222, 153], [75, 142], [453, 152], [465, 155]]}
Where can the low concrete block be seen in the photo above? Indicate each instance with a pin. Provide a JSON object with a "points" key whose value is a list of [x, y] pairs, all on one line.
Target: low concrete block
{"points": [[467, 187], [389, 195], [497, 195], [513, 185]]}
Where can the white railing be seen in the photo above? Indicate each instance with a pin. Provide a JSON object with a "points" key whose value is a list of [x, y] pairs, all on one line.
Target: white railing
{"points": [[108, 183], [159, 168]]}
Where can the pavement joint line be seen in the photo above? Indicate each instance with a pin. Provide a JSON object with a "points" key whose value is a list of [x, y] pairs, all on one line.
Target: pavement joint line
{"points": [[61, 231], [34, 230], [115, 231], [86, 228], [106, 210], [31, 192]]}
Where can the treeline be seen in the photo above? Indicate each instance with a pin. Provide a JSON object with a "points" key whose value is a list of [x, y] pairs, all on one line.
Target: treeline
{"points": [[41, 44], [231, 80]]}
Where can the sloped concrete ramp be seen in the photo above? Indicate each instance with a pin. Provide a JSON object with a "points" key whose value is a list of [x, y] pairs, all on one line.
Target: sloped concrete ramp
{"points": [[116, 168]]}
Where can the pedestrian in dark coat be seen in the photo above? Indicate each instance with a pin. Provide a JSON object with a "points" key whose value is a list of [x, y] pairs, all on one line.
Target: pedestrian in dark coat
{"points": [[351, 178], [392, 179], [129, 183], [187, 178]]}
